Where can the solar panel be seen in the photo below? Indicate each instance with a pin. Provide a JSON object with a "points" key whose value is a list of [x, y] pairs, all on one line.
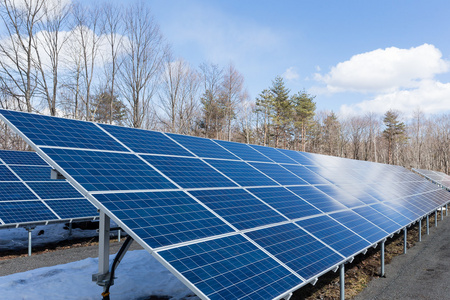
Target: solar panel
{"points": [[279, 174], [144, 141], [302, 252], [435, 176], [205, 148], [239, 207], [28, 195], [231, 268], [335, 235], [230, 220], [189, 172], [106, 171], [286, 202], [242, 173], [164, 218]]}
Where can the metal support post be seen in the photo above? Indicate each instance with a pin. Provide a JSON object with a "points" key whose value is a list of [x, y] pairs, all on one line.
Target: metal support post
{"points": [[435, 218], [442, 213], [103, 250], [342, 281], [382, 258], [70, 229], [420, 230], [405, 235], [29, 229], [446, 210], [428, 224], [119, 233]]}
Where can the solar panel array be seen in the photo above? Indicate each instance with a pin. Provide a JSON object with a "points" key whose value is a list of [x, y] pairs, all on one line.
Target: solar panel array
{"points": [[436, 177], [28, 195], [231, 220]]}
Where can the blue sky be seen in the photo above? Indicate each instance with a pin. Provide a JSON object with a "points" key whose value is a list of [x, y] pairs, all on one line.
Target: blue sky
{"points": [[355, 56]]}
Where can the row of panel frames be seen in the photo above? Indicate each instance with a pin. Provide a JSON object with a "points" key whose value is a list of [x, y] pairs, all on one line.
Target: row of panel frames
{"points": [[231, 220]]}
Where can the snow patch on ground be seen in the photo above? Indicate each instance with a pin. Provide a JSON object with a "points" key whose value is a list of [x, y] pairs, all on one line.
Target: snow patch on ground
{"points": [[139, 275], [17, 238]]}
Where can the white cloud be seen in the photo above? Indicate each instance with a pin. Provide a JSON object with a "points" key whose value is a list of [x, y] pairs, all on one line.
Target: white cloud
{"points": [[290, 74], [430, 96], [385, 70]]}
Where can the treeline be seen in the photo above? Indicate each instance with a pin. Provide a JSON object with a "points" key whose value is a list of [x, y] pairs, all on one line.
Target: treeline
{"points": [[111, 64]]}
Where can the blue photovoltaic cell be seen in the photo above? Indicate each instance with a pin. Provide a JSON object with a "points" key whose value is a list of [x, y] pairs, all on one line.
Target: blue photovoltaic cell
{"points": [[242, 173], [106, 171], [32, 173], [297, 156], [202, 147], [360, 225], [335, 235], [243, 151], [54, 189], [279, 174], [315, 197], [405, 208], [51, 131], [238, 207], [378, 219], [439, 197], [392, 214], [274, 154], [285, 202], [145, 141], [359, 192], [7, 175], [164, 218], [72, 208], [24, 211], [189, 172], [426, 206], [231, 268], [339, 195], [297, 249], [306, 175], [21, 158], [15, 191]]}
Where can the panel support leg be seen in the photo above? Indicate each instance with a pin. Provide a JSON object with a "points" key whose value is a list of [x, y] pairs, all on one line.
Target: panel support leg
{"points": [[442, 213], [382, 259], [70, 229], [342, 281], [103, 250], [405, 243], [420, 230], [119, 233], [435, 218], [446, 210], [29, 229], [428, 224]]}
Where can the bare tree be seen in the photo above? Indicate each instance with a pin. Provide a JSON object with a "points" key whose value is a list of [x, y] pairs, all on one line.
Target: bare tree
{"points": [[88, 32], [113, 28], [48, 44], [20, 19], [178, 95], [232, 94], [142, 63], [211, 76]]}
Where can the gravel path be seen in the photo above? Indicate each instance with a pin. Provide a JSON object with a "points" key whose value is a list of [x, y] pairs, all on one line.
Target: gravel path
{"points": [[423, 273], [47, 259]]}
